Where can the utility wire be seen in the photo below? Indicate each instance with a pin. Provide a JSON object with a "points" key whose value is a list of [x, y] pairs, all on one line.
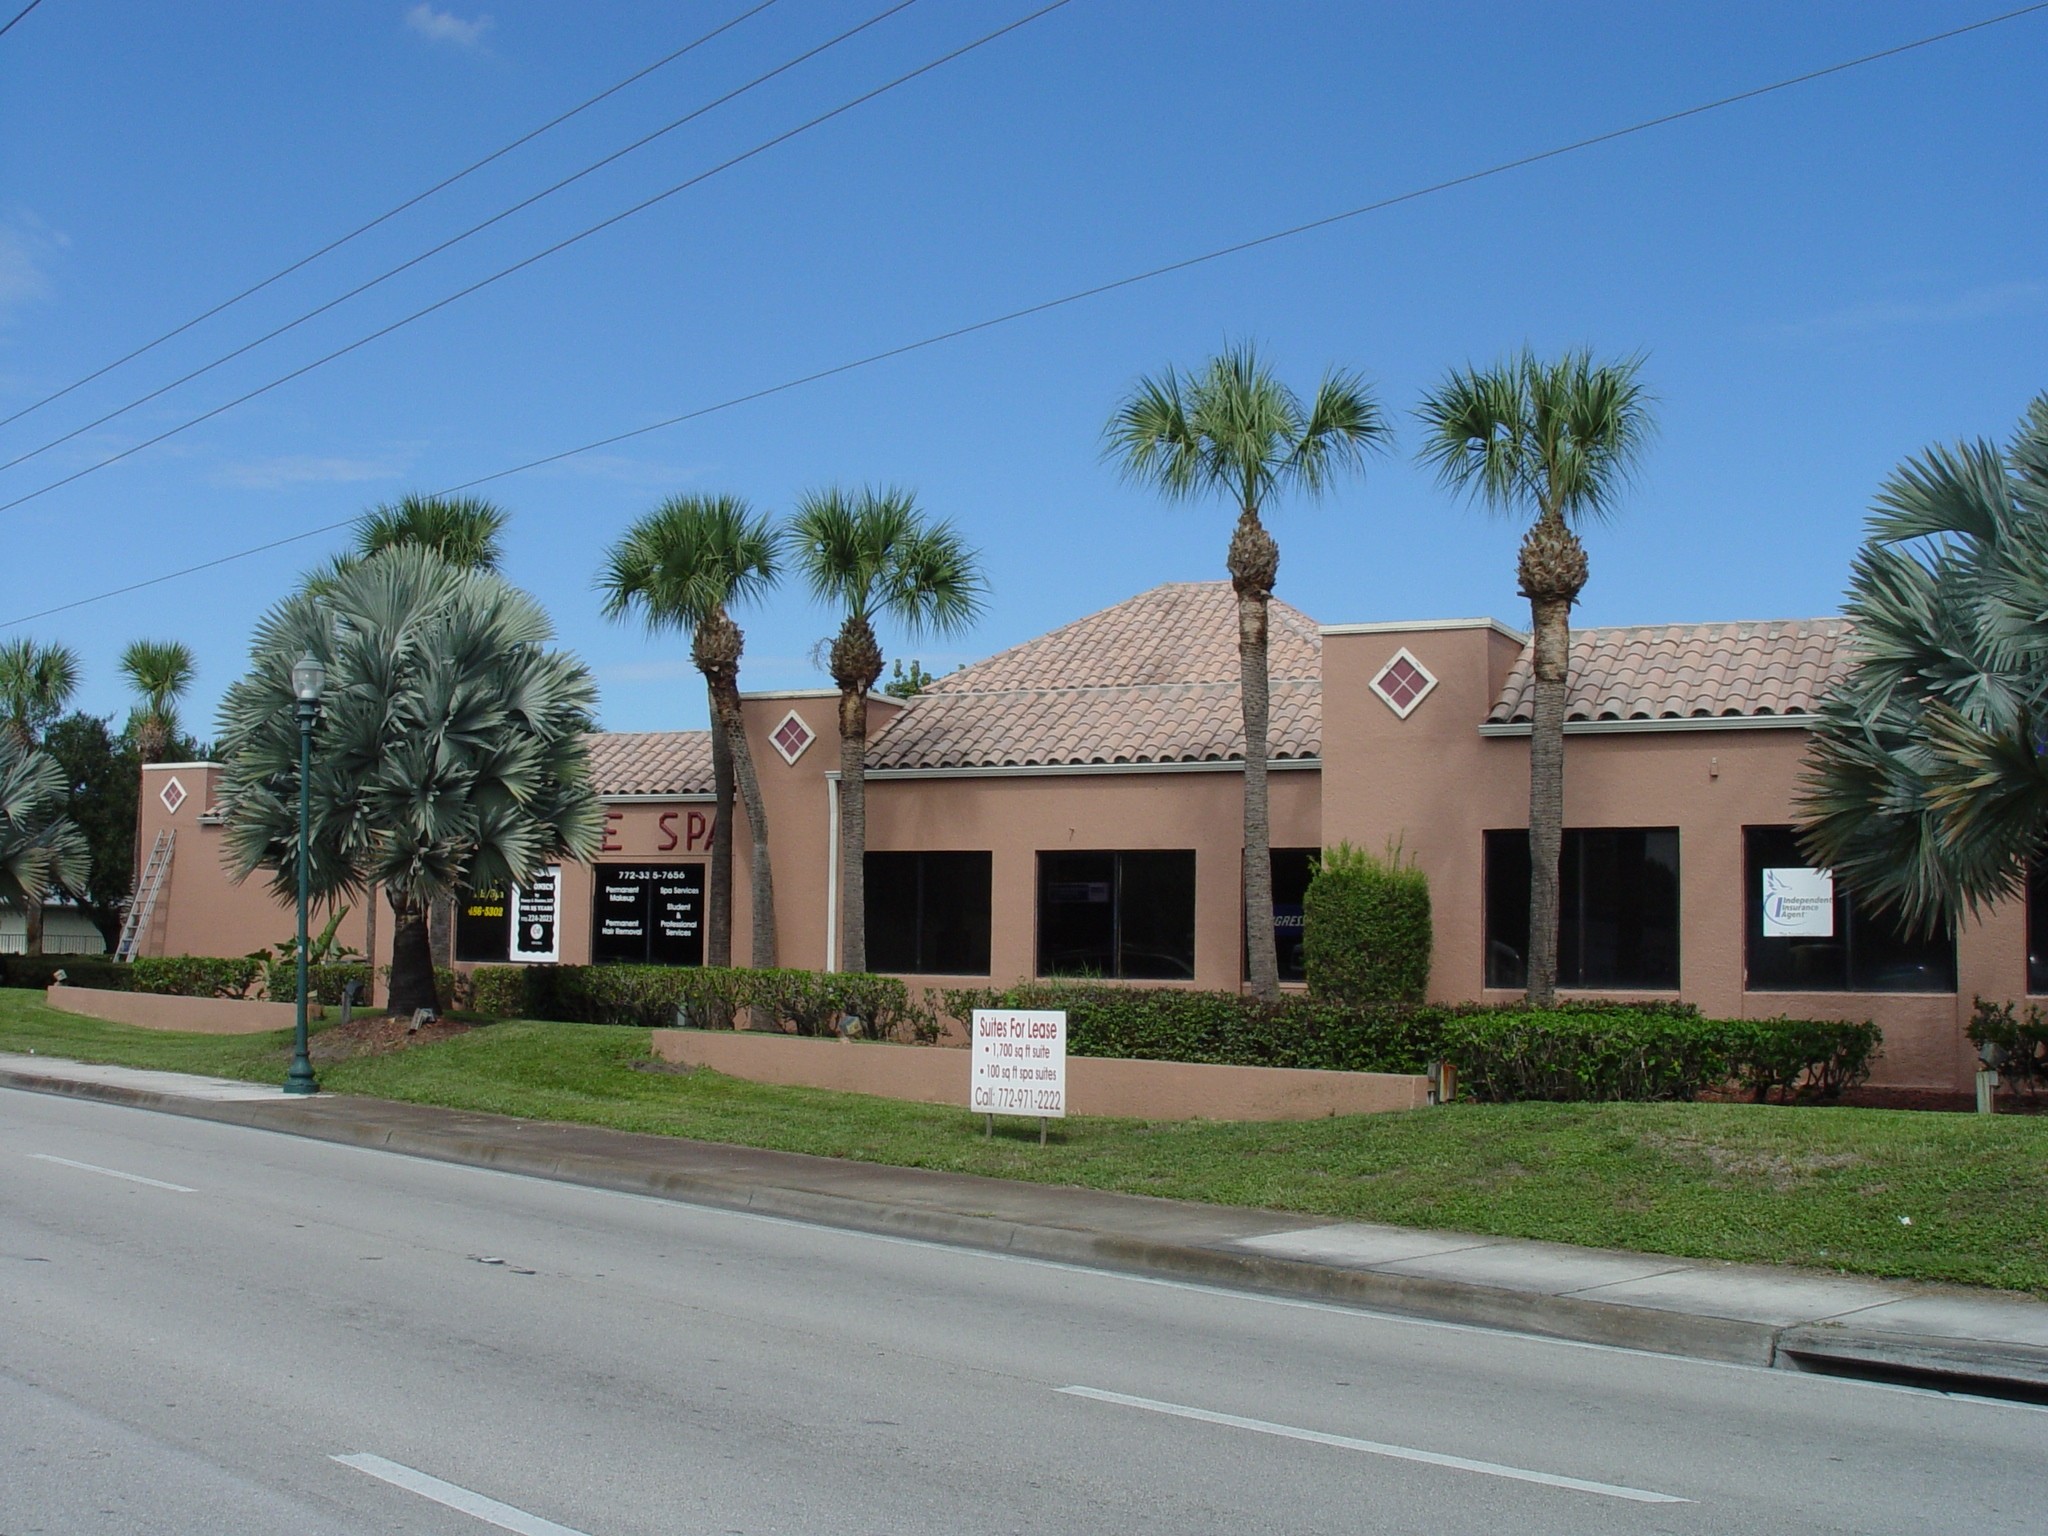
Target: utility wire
{"points": [[32, 4], [457, 239], [391, 213], [1077, 296]]}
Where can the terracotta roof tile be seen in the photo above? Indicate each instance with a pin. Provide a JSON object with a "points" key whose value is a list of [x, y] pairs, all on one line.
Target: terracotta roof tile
{"points": [[1692, 671], [651, 762], [1151, 680]]}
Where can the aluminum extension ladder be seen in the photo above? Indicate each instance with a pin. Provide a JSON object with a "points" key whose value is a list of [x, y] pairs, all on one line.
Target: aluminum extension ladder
{"points": [[136, 924]]}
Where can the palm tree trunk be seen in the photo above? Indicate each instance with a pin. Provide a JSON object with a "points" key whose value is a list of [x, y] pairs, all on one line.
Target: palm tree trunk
{"points": [[441, 929], [853, 831], [370, 945], [1552, 621], [762, 945], [1254, 565], [412, 959], [718, 922], [32, 926]]}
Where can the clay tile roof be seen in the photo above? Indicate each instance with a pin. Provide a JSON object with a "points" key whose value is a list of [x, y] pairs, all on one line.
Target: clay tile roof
{"points": [[1151, 680], [651, 762], [1692, 671]]}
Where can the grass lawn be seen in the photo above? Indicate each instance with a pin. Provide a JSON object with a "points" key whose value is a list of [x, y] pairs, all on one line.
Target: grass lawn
{"points": [[1820, 1187]]}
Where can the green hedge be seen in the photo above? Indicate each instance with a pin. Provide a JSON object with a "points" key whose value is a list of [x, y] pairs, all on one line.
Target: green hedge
{"points": [[324, 982], [196, 975], [660, 996], [1584, 1050], [1367, 937], [1562, 1056], [79, 971], [2021, 1041]]}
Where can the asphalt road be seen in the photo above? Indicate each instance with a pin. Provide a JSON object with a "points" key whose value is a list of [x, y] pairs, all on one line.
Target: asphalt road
{"points": [[198, 1322]]}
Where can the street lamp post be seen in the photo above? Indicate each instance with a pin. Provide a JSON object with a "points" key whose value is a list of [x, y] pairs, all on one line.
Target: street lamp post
{"points": [[308, 677]]}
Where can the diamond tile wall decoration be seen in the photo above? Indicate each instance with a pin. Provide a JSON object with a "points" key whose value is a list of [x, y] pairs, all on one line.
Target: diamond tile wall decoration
{"points": [[1403, 683], [172, 795], [792, 737]]}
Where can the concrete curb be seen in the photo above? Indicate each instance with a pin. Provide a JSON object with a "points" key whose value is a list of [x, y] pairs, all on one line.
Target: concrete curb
{"points": [[1997, 1369]]}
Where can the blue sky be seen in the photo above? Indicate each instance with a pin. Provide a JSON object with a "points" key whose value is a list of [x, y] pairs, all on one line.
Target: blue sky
{"points": [[1824, 281]]}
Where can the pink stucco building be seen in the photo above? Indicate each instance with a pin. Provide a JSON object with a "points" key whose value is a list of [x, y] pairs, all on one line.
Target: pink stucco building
{"points": [[1072, 805]]}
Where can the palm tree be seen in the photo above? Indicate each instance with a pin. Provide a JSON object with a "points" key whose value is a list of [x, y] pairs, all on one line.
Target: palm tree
{"points": [[464, 531], [36, 683], [449, 757], [160, 671], [40, 847], [875, 556], [1235, 430], [1561, 439], [1924, 776], [682, 567]]}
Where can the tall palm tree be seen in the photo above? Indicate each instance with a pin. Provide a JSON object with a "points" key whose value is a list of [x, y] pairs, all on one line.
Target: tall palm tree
{"points": [[36, 684], [1924, 782], [450, 752], [876, 557], [1233, 429], [682, 567], [40, 847], [160, 671], [1560, 439]]}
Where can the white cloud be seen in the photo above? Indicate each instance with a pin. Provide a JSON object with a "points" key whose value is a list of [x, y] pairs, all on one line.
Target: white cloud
{"points": [[1975, 304], [276, 473], [446, 26], [28, 247]]}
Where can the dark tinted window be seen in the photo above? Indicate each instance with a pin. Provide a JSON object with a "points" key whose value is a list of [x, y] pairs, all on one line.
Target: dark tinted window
{"points": [[483, 926], [647, 914], [1292, 868], [1866, 952], [928, 913], [1129, 915], [1617, 921], [2037, 924]]}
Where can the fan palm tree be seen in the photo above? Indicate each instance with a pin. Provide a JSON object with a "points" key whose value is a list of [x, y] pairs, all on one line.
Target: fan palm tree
{"points": [[1927, 778], [1233, 429], [877, 558], [160, 671], [40, 847], [36, 684], [1561, 440], [682, 567], [450, 754]]}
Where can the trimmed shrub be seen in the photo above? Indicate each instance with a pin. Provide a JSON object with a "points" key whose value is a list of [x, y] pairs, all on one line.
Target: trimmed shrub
{"points": [[2021, 1038], [701, 997], [1563, 1056], [451, 987], [324, 982], [37, 971], [1366, 936], [196, 975]]}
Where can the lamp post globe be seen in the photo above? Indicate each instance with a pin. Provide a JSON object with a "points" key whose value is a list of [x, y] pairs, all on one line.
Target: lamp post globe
{"points": [[308, 678]]}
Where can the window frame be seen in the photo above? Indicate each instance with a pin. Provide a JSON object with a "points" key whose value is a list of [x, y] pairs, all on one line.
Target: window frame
{"points": [[1570, 882], [1117, 884], [1849, 918], [921, 937]]}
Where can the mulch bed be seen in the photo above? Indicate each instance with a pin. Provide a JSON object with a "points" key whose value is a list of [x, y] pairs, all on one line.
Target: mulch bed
{"points": [[1957, 1103], [378, 1034]]}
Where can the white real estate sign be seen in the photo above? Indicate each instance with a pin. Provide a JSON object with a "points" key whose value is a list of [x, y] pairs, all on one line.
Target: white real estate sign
{"points": [[1020, 1062], [1799, 904]]}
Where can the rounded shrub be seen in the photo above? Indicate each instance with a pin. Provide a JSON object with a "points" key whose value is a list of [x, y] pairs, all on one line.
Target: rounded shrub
{"points": [[1366, 929]]}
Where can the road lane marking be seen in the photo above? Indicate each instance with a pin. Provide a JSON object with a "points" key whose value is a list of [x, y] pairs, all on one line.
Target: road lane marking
{"points": [[490, 1511], [1377, 1448], [113, 1173]]}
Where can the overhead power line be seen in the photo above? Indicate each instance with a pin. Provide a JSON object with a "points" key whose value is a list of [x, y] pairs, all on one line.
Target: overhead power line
{"points": [[389, 214], [32, 4], [474, 229], [541, 255], [1290, 232]]}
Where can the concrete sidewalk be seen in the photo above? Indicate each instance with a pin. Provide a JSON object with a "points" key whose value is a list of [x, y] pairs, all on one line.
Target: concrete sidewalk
{"points": [[1942, 1336]]}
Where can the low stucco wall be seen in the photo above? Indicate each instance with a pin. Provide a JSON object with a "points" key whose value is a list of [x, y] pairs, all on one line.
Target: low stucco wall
{"points": [[1137, 1090], [190, 1015]]}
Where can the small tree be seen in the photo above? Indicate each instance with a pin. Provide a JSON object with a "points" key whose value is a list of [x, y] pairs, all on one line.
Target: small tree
{"points": [[40, 848], [1367, 937], [160, 671]]}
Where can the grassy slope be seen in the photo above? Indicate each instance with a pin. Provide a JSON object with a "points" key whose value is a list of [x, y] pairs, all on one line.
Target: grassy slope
{"points": [[1816, 1187]]}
